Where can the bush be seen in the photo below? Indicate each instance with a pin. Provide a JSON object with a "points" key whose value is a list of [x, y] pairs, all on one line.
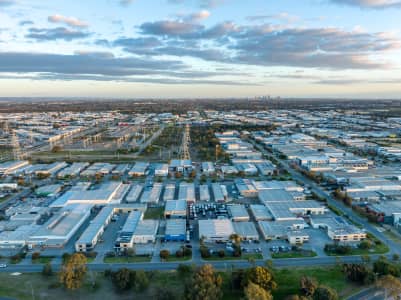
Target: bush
{"points": [[91, 254], [47, 270], [164, 254], [187, 251], [221, 253], [365, 245], [110, 254], [141, 282], [35, 255], [205, 252], [179, 253]]}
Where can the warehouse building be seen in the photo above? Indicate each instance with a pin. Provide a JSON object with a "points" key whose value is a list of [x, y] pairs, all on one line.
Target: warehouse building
{"points": [[218, 192], [134, 193], [279, 195], [238, 213], [73, 170], [11, 167], [59, 229], [246, 230], [151, 195], [175, 230], [246, 188], [175, 209], [169, 192], [161, 170], [145, 232], [218, 230], [292, 231], [180, 165], [260, 212], [204, 194], [187, 192], [207, 168], [94, 231], [290, 210], [139, 169], [338, 229], [124, 240]]}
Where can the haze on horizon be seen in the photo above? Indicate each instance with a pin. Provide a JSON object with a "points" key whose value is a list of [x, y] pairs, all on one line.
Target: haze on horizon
{"points": [[200, 48]]}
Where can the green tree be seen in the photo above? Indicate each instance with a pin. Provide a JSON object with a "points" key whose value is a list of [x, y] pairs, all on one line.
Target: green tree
{"points": [[185, 270], [122, 279], [204, 285], [73, 271], [262, 277], [308, 285], [254, 292], [47, 270], [359, 273], [325, 293], [141, 281]]}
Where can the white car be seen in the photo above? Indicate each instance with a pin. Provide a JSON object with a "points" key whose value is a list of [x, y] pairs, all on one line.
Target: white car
{"points": [[3, 266]]}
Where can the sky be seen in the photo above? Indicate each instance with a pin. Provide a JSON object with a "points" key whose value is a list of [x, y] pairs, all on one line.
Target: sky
{"points": [[200, 48]]}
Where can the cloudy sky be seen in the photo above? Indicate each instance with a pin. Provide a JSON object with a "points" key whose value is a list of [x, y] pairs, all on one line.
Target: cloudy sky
{"points": [[200, 48]]}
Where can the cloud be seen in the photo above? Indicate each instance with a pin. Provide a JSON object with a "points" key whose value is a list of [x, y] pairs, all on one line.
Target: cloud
{"points": [[103, 66], [211, 3], [70, 21], [83, 63], [126, 2], [52, 34], [198, 16], [271, 45], [7, 2], [25, 22], [375, 4], [171, 28], [283, 17]]}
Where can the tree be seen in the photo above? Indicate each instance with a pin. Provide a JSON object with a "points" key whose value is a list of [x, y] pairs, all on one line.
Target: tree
{"points": [[325, 293], [260, 276], [164, 254], [359, 273], [141, 281], [383, 267], [47, 270], [73, 271], [308, 285], [130, 252], [57, 149], [204, 285], [255, 292], [122, 279], [35, 255], [391, 286]]}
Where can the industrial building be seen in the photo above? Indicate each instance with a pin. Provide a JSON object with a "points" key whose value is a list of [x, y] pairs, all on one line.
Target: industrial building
{"points": [[169, 192], [139, 169], [246, 230], [134, 193], [218, 230], [260, 212], [204, 194], [238, 213], [151, 195], [94, 231], [175, 209], [186, 192], [175, 230]]}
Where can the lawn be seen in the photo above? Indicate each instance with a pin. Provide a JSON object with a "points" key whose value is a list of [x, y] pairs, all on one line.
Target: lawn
{"points": [[42, 260], [126, 259], [154, 213], [29, 286], [288, 280], [294, 254], [254, 256], [175, 258]]}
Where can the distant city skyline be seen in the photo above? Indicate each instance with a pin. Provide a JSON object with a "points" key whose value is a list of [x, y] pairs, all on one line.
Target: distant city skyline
{"points": [[200, 48]]}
